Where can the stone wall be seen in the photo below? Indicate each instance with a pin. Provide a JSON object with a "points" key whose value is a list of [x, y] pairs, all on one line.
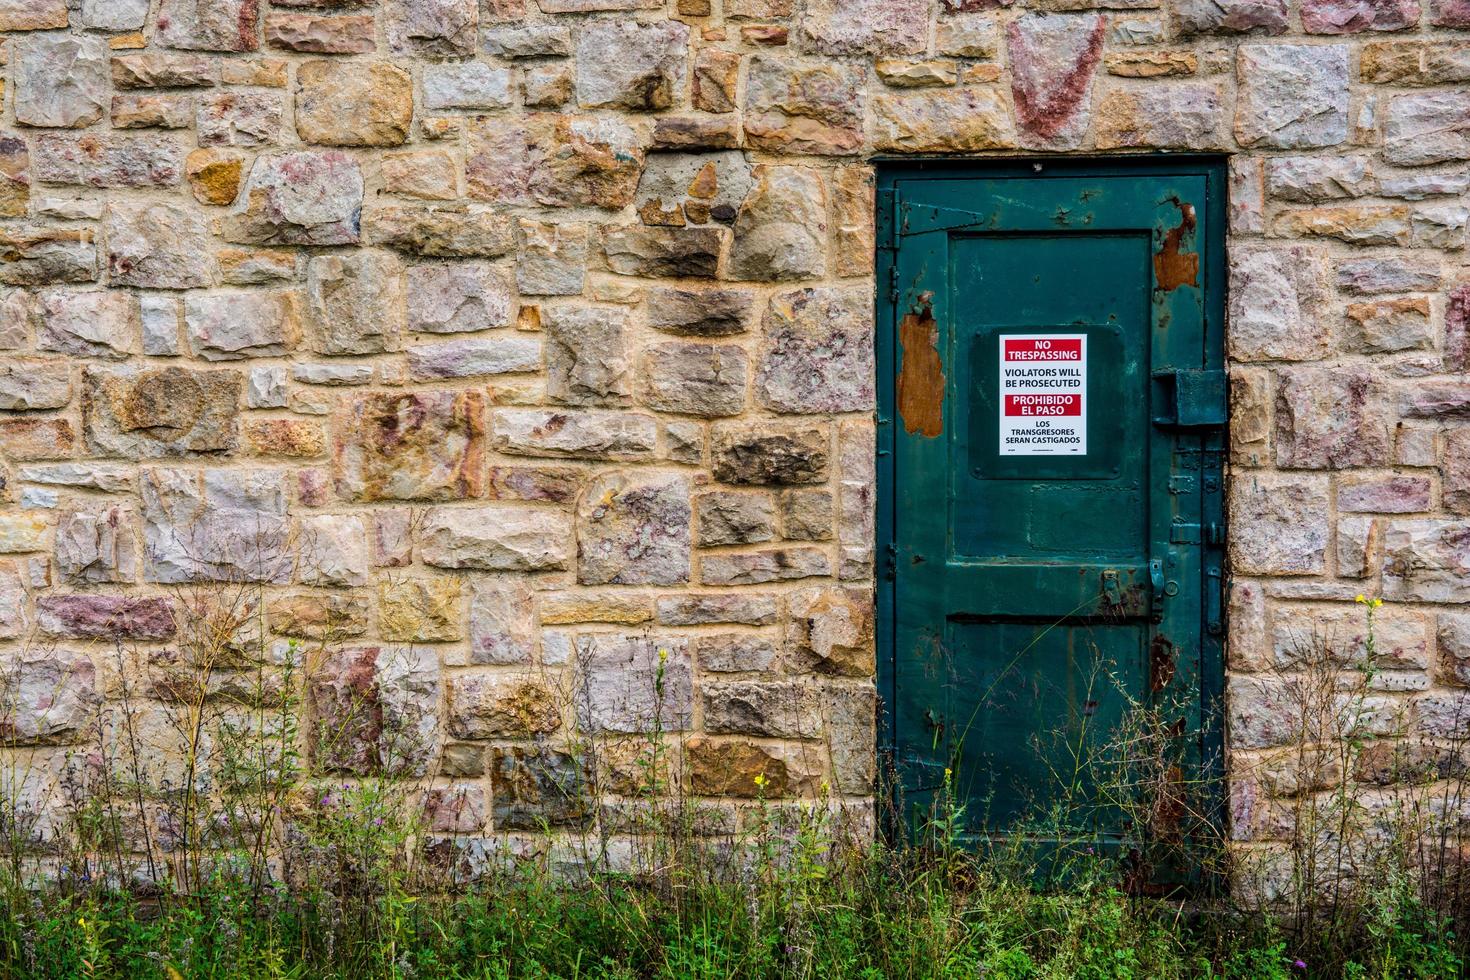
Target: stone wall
{"points": [[527, 345]]}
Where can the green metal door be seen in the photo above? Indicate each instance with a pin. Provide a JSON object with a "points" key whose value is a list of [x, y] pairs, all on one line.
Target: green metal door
{"points": [[1051, 439]]}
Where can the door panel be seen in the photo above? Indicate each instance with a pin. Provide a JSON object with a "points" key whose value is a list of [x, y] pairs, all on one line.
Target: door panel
{"points": [[1051, 526]]}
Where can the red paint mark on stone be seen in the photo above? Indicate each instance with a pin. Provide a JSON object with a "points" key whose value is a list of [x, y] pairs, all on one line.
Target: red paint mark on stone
{"points": [[1052, 63], [245, 25]]}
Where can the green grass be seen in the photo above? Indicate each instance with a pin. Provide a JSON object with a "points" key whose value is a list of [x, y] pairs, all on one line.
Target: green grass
{"points": [[879, 914]]}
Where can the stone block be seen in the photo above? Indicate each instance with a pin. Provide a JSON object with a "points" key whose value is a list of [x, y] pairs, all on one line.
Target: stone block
{"points": [[474, 358], [209, 25], [356, 303], [1276, 294], [735, 517], [109, 618], [60, 79], [457, 297], [353, 103], [735, 653], [770, 565], [157, 245], [1053, 61], [807, 108], [51, 696], [466, 85], [37, 256], [960, 121], [633, 683], [317, 34], [375, 711], [587, 359], [1165, 115], [1331, 418], [770, 453], [144, 412], [816, 352], [421, 609], [634, 530], [832, 631], [1232, 17], [750, 770], [553, 160], [114, 161], [537, 787], [311, 615], [215, 525], [1280, 524], [771, 709], [660, 252], [701, 312], [552, 259], [332, 550], [499, 537], [857, 27], [95, 323], [229, 325], [630, 65], [781, 227], [1389, 326], [1425, 560], [706, 380], [440, 231], [97, 545], [582, 434], [432, 28], [502, 621], [300, 198], [426, 445], [1292, 95], [33, 384], [501, 706]]}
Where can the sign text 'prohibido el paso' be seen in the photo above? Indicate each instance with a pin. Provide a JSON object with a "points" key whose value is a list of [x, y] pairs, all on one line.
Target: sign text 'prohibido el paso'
{"points": [[1043, 394]]}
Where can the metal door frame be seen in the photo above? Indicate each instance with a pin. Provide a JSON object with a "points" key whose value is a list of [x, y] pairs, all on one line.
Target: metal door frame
{"points": [[890, 170]]}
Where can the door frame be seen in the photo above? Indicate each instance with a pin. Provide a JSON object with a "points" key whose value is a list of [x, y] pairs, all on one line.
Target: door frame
{"points": [[891, 170]]}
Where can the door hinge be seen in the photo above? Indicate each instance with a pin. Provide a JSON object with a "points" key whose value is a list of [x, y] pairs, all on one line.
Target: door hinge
{"points": [[1184, 532], [893, 290], [886, 230]]}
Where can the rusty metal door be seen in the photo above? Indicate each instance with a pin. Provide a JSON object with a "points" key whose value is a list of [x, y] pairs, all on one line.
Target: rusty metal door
{"points": [[1052, 435]]}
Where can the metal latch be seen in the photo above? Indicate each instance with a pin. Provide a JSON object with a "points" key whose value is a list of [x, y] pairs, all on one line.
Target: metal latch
{"points": [[1183, 532], [1189, 398]]}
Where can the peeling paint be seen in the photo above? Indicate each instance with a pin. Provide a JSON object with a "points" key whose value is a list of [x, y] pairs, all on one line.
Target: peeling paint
{"points": [[921, 378], [1172, 266]]}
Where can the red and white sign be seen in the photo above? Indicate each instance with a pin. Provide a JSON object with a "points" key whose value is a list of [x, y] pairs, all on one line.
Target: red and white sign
{"points": [[1043, 395]]}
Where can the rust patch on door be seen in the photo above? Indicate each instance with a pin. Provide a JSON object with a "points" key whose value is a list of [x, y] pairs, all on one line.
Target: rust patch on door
{"points": [[1172, 266], [1161, 662], [921, 378]]}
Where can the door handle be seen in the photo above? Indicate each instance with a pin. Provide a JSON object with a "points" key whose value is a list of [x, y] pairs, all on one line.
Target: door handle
{"points": [[1156, 591]]}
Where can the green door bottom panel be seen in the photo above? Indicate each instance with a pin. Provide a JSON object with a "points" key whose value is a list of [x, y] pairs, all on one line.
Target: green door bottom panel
{"points": [[1051, 443]]}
